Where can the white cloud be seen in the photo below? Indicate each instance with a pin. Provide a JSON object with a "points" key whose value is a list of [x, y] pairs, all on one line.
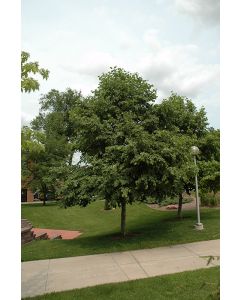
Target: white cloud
{"points": [[192, 80], [169, 67], [153, 42], [150, 38], [206, 11], [179, 68], [93, 63], [100, 11], [25, 119], [176, 67], [126, 41]]}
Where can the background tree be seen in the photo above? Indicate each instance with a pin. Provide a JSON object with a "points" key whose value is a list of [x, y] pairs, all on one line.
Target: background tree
{"points": [[35, 161], [179, 114], [52, 123], [187, 125], [209, 167], [28, 68], [54, 120]]}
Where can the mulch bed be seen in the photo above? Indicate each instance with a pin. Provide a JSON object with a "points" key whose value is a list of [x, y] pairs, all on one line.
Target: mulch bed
{"points": [[65, 234], [185, 206]]}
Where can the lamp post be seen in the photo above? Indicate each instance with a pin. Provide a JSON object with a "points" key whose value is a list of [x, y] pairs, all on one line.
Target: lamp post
{"points": [[199, 225]]}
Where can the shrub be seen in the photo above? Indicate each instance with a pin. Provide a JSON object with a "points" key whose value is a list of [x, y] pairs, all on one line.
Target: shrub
{"points": [[210, 198]]}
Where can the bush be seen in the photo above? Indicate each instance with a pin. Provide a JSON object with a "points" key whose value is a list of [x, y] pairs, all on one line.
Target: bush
{"points": [[210, 198]]}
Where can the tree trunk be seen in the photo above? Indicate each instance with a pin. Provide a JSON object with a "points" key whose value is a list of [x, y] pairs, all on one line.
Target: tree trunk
{"points": [[70, 159], [123, 218], [107, 205], [180, 201], [44, 198]]}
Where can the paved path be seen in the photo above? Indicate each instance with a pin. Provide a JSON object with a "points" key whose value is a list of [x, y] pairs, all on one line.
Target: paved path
{"points": [[45, 276]]}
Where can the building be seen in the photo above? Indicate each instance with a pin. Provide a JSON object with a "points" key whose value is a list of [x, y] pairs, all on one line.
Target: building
{"points": [[27, 194]]}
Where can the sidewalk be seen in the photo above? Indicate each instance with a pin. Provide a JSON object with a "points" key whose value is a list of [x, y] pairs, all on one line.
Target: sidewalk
{"points": [[46, 276]]}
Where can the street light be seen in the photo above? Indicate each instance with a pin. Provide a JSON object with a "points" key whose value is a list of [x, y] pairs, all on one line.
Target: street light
{"points": [[195, 151]]}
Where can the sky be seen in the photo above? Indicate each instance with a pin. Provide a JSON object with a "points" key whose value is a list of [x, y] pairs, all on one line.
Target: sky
{"points": [[174, 44]]}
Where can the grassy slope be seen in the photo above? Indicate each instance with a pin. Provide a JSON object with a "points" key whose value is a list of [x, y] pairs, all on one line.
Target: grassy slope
{"points": [[180, 286], [154, 228]]}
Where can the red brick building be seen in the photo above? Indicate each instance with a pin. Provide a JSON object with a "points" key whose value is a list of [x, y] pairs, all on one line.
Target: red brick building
{"points": [[26, 193]]}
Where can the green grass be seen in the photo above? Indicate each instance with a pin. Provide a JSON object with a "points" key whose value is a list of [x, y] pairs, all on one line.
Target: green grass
{"points": [[150, 228], [198, 285]]}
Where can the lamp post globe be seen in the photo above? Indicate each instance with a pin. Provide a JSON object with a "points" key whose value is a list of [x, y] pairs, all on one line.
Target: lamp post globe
{"points": [[195, 151]]}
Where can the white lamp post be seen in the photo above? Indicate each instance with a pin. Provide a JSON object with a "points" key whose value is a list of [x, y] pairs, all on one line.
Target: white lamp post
{"points": [[199, 225]]}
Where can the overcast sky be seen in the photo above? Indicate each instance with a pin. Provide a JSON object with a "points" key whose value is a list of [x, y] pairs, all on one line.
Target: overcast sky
{"points": [[172, 43]]}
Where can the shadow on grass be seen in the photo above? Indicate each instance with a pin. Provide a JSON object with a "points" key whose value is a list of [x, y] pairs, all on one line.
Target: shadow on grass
{"points": [[160, 230], [167, 229], [34, 205]]}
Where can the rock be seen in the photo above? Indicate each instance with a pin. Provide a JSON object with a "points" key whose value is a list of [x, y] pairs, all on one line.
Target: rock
{"points": [[26, 231], [56, 237], [41, 236]]}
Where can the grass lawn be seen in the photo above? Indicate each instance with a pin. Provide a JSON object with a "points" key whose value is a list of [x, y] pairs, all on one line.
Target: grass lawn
{"points": [[181, 286], [149, 228]]}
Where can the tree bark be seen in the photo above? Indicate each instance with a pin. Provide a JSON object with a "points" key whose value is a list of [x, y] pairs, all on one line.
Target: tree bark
{"points": [[180, 201], [123, 218]]}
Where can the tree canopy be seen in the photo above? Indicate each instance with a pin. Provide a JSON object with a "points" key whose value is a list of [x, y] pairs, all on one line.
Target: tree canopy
{"points": [[179, 114], [54, 119], [114, 139], [209, 164]]}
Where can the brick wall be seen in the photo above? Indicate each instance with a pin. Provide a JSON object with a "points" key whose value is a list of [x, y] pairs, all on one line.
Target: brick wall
{"points": [[30, 196], [24, 184]]}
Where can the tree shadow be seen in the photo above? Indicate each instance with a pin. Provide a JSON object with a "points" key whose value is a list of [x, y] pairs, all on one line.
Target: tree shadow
{"points": [[166, 230]]}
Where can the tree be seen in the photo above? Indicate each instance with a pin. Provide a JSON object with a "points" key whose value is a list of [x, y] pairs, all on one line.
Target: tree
{"points": [[209, 161], [54, 120], [35, 161], [116, 137], [180, 172], [57, 133], [187, 125], [28, 68]]}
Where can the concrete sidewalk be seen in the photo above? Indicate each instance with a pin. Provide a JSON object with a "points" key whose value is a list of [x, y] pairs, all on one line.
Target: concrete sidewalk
{"points": [[46, 276]]}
